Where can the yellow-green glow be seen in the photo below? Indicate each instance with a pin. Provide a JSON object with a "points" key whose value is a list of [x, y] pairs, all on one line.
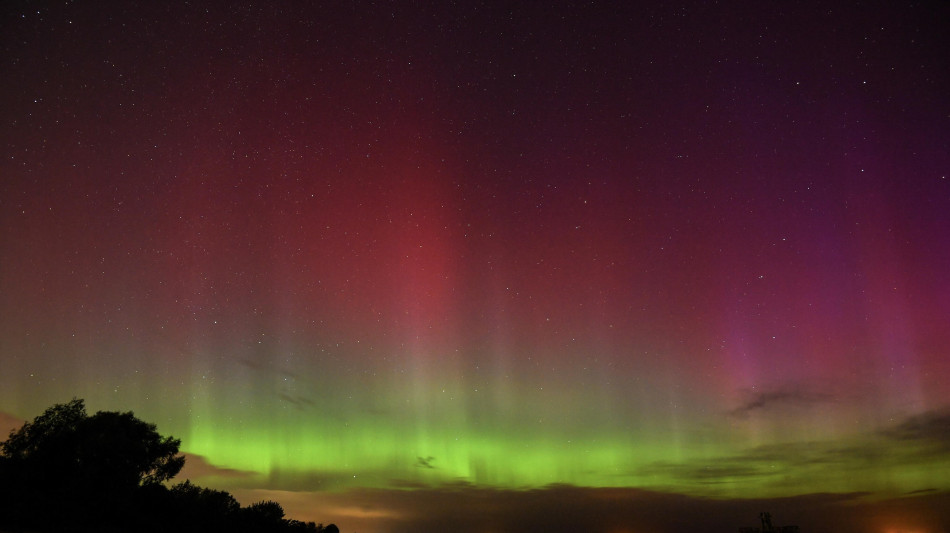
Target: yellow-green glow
{"points": [[414, 433], [436, 456]]}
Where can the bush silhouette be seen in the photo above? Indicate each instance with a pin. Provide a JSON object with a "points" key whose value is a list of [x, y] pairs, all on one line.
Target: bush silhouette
{"points": [[67, 470]]}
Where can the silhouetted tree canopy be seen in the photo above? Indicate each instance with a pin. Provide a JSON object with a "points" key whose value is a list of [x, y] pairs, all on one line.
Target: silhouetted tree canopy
{"points": [[115, 449], [67, 470]]}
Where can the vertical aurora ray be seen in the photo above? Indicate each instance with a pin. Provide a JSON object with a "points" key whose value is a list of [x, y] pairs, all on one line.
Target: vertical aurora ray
{"points": [[351, 252]]}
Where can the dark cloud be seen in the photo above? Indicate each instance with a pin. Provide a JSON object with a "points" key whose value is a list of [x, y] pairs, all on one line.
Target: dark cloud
{"points": [[266, 367], [914, 443], [921, 491], [782, 398], [197, 467], [720, 472], [425, 462], [803, 463], [758, 462], [808, 454], [932, 428], [286, 380], [298, 401]]}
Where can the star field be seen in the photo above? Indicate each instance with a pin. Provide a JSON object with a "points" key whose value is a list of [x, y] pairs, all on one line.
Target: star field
{"points": [[362, 257]]}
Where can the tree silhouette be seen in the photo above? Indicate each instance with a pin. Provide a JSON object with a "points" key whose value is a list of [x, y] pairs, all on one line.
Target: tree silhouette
{"points": [[64, 445], [68, 467], [67, 471], [263, 516], [269, 511], [34, 438], [199, 509]]}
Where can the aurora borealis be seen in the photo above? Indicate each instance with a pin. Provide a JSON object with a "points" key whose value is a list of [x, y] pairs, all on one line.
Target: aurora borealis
{"points": [[483, 267]]}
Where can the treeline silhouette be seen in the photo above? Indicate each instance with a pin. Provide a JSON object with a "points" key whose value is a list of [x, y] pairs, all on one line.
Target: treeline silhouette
{"points": [[109, 472]]}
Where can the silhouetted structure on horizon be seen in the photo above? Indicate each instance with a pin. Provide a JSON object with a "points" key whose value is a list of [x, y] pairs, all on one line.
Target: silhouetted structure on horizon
{"points": [[767, 527]]}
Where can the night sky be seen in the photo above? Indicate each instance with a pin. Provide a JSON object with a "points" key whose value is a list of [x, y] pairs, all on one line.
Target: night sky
{"points": [[468, 266]]}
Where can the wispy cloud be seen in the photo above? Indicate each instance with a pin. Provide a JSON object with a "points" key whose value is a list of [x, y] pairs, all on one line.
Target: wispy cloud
{"points": [[197, 467], [778, 399], [931, 428], [722, 471], [914, 443], [297, 400], [425, 462]]}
